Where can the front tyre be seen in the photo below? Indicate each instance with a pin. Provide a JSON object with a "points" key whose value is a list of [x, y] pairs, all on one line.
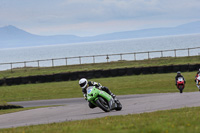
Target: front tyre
{"points": [[181, 88], [101, 103], [119, 106]]}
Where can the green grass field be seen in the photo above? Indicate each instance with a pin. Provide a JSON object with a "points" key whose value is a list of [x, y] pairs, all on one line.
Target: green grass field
{"points": [[185, 120], [136, 84], [180, 120], [100, 66]]}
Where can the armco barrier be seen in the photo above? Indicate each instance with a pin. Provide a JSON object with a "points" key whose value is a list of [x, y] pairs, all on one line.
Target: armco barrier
{"points": [[184, 68], [9, 81], [2, 82], [122, 71], [114, 72], [169, 69], [24, 80], [137, 71], [146, 70], [33, 79], [42, 78], [89, 75], [129, 71], [98, 74], [3, 107], [191, 68], [58, 77], [176, 68], [106, 73], [50, 78], [74, 76], [17, 81]]}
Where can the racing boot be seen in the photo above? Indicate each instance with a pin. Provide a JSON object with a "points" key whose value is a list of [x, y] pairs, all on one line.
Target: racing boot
{"points": [[114, 97]]}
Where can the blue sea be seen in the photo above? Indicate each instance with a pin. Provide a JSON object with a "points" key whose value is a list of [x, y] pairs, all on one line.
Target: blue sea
{"points": [[100, 48]]}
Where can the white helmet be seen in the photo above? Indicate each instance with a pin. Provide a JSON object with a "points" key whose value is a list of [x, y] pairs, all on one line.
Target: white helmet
{"points": [[83, 82]]}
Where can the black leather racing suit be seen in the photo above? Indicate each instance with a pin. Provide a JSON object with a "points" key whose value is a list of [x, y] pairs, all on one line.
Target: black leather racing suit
{"points": [[99, 86]]}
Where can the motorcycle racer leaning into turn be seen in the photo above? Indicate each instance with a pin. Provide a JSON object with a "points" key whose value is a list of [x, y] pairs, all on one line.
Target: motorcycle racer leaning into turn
{"points": [[177, 76], [84, 84]]}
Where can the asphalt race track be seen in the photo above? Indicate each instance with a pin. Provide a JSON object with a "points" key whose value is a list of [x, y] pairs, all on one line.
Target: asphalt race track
{"points": [[77, 108]]}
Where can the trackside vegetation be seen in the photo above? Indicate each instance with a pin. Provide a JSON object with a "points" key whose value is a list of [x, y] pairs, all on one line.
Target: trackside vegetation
{"points": [[30, 71], [135, 84], [184, 120]]}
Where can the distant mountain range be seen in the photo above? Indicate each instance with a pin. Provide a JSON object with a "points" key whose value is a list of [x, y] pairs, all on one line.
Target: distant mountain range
{"points": [[11, 36]]}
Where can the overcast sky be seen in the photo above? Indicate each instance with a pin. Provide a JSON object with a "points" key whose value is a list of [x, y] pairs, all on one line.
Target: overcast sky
{"points": [[93, 17]]}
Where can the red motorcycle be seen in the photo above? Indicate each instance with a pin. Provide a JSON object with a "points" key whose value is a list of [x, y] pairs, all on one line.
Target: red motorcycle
{"points": [[180, 84]]}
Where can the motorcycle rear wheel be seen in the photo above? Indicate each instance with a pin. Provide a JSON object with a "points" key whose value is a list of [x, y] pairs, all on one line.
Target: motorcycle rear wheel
{"points": [[101, 103]]}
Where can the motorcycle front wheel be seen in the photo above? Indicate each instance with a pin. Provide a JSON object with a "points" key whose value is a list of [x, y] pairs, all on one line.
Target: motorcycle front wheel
{"points": [[181, 88], [101, 103]]}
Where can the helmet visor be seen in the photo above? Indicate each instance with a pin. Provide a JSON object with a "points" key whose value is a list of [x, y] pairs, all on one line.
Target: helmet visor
{"points": [[83, 84]]}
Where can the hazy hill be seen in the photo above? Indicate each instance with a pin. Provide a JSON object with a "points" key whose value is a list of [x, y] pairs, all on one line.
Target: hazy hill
{"points": [[11, 36]]}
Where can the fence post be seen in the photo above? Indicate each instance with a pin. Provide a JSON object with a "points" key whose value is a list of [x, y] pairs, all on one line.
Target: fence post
{"points": [[135, 56], [66, 61], [79, 59], [161, 53], [175, 53], [24, 64], [52, 62], [107, 58], [11, 67], [93, 56], [38, 64], [93, 59], [188, 51]]}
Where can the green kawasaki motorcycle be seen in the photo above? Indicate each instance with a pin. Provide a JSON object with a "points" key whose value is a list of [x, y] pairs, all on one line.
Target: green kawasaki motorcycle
{"points": [[102, 99]]}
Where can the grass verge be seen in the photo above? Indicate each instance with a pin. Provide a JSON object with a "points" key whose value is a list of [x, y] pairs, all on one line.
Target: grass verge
{"points": [[6, 106], [135, 84], [29, 71], [185, 120]]}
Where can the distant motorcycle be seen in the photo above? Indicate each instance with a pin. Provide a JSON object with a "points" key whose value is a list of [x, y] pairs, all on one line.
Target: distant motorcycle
{"points": [[180, 84], [102, 99], [198, 82]]}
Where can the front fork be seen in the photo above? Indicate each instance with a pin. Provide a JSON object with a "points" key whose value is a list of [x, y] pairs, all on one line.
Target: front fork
{"points": [[112, 104]]}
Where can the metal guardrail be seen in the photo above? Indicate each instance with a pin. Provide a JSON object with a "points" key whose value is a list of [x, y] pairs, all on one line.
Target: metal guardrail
{"points": [[106, 57]]}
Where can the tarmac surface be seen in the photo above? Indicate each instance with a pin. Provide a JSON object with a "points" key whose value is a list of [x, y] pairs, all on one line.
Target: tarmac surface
{"points": [[77, 108]]}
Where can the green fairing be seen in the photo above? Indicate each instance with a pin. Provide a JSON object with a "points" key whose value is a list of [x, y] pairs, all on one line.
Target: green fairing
{"points": [[105, 95], [94, 93]]}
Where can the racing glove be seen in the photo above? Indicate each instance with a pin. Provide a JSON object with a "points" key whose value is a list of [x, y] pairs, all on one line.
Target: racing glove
{"points": [[100, 87], [85, 96]]}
